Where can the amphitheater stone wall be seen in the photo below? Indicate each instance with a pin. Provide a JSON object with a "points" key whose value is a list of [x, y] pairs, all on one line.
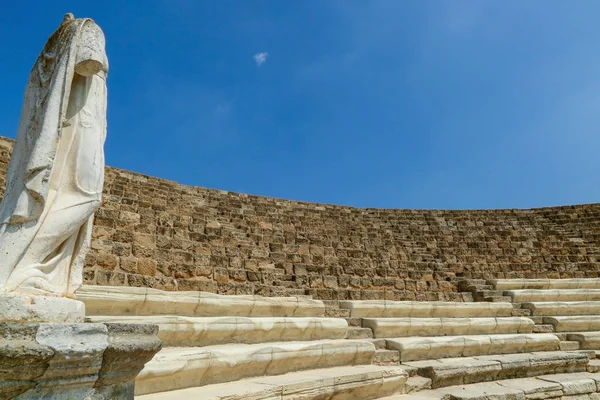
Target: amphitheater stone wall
{"points": [[160, 234]]}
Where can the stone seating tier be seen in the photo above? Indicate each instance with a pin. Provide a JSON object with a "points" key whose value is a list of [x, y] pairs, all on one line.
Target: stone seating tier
{"points": [[464, 370], [573, 323], [544, 295], [568, 386], [551, 308], [427, 348], [207, 331], [404, 327], [128, 301], [516, 284], [363, 382], [182, 367], [417, 309]]}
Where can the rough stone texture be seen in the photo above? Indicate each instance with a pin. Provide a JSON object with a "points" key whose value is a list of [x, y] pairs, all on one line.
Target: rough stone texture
{"points": [[73, 361], [156, 233]]}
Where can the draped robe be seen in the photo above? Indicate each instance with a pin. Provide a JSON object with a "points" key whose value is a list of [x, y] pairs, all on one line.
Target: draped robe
{"points": [[56, 173]]}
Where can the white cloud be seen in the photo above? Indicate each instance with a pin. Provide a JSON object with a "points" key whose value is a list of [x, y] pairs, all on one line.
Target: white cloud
{"points": [[261, 58]]}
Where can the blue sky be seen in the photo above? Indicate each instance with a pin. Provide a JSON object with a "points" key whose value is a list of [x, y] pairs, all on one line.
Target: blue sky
{"points": [[385, 103]]}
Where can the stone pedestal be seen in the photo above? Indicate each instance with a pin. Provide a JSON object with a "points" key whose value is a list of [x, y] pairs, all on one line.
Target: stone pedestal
{"points": [[83, 361]]}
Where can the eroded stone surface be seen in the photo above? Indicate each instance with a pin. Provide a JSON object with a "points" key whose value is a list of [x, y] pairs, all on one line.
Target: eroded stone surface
{"points": [[73, 361], [564, 308], [177, 368], [532, 295], [363, 382], [130, 301], [573, 283], [386, 308], [206, 331], [403, 327]]}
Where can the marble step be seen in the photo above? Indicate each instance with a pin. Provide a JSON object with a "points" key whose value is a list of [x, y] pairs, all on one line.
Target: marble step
{"points": [[579, 323], [428, 309], [563, 308], [571, 386], [517, 284], [458, 371], [119, 301], [181, 367], [404, 327], [587, 340], [357, 382], [425, 348], [534, 295], [205, 331]]}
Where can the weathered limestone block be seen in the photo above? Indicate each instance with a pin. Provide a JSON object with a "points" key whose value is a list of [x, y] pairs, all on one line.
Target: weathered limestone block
{"points": [[73, 361], [388, 308], [549, 308], [363, 382], [177, 368], [423, 348], [532, 295], [206, 331], [574, 323], [587, 340], [130, 301], [403, 327], [573, 283]]}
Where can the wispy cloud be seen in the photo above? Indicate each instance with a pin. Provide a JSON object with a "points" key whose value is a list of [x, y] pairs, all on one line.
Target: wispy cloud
{"points": [[261, 58]]}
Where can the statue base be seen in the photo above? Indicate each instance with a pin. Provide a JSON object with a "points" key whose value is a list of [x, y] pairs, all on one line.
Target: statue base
{"points": [[25, 308], [88, 361]]}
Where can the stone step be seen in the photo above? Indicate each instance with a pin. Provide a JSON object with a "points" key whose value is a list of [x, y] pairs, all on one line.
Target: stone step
{"points": [[587, 340], [566, 345], [457, 371], [177, 331], [517, 284], [386, 357], [480, 295], [543, 328], [378, 343], [416, 384], [400, 309], [580, 323], [534, 295], [563, 308], [476, 288], [519, 312], [359, 333], [356, 382], [129, 301], [176, 368], [354, 321], [593, 366], [405, 327], [424, 348], [574, 386]]}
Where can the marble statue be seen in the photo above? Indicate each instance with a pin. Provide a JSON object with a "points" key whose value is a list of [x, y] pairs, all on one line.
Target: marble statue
{"points": [[56, 172]]}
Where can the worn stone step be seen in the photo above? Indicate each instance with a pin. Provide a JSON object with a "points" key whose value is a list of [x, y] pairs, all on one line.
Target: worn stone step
{"points": [[457, 371], [359, 333], [580, 323], [386, 357], [544, 328], [357, 382], [567, 345], [563, 308], [518, 284], [354, 321], [476, 288], [378, 343], [177, 331], [587, 340], [399, 309], [565, 386], [130, 301], [416, 384], [593, 366], [486, 293], [175, 368], [405, 327], [534, 295], [424, 348]]}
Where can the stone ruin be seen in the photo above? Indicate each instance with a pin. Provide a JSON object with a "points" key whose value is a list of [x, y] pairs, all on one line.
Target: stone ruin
{"points": [[204, 294]]}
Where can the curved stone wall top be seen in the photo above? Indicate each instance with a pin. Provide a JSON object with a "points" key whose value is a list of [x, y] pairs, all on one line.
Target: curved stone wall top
{"points": [[155, 233]]}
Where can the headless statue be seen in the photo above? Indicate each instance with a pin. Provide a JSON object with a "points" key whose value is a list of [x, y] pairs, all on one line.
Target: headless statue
{"points": [[56, 172]]}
